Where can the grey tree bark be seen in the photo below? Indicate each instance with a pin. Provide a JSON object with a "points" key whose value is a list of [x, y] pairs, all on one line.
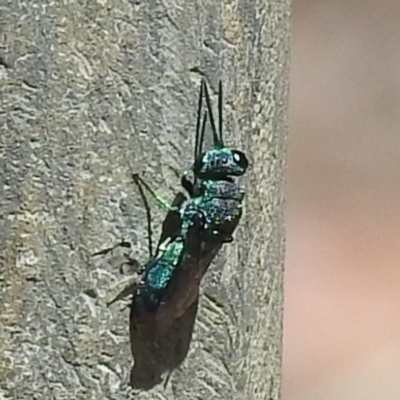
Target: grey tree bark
{"points": [[92, 91]]}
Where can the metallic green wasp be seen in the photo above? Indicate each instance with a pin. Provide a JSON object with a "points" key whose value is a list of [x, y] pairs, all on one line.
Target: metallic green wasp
{"points": [[195, 227]]}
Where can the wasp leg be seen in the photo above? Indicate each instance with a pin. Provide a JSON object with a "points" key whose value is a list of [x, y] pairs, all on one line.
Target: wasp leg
{"points": [[104, 252], [128, 290], [164, 204], [133, 266]]}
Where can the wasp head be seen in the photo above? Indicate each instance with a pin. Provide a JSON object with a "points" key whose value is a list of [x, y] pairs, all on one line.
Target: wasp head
{"points": [[220, 164]]}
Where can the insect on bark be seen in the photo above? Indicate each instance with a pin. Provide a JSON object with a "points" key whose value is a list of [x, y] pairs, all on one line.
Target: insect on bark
{"points": [[195, 228]]}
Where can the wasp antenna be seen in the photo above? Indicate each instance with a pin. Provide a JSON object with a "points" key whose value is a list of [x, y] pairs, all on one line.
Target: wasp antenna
{"points": [[197, 143], [209, 107], [220, 99], [203, 128]]}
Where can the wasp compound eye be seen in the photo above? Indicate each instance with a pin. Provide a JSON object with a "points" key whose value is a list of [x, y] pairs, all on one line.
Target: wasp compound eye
{"points": [[240, 159]]}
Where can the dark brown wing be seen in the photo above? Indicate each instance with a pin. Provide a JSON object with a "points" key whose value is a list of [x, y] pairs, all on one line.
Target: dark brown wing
{"points": [[183, 290]]}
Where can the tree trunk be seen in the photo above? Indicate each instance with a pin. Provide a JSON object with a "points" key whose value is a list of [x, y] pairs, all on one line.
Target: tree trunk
{"points": [[92, 91]]}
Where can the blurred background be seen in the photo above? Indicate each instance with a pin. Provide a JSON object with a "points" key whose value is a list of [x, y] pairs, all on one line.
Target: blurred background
{"points": [[342, 279]]}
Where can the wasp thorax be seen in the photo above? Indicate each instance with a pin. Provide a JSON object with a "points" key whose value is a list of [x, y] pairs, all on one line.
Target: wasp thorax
{"points": [[220, 163]]}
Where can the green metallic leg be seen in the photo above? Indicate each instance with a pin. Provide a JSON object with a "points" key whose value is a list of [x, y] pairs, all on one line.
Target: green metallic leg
{"points": [[164, 204]]}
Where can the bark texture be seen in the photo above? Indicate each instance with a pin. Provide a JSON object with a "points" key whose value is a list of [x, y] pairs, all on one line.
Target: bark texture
{"points": [[92, 91]]}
